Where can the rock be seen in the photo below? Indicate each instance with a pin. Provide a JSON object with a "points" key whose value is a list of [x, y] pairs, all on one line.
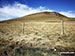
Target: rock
{"points": [[54, 49]]}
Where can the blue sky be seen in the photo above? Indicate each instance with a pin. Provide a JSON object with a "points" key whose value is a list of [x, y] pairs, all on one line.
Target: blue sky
{"points": [[17, 8]]}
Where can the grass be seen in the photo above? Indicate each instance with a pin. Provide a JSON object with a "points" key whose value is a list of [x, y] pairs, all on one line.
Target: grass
{"points": [[39, 36]]}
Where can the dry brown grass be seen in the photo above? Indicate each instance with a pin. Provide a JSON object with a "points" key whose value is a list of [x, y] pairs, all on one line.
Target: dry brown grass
{"points": [[42, 33], [48, 33]]}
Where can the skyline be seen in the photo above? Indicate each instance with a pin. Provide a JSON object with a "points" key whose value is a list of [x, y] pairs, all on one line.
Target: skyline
{"points": [[17, 8]]}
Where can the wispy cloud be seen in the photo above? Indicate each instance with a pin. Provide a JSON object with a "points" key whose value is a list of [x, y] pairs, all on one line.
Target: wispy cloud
{"points": [[68, 14], [19, 10]]}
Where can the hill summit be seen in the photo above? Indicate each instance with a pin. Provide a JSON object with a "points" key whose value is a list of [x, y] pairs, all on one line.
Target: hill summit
{"points": [[42, 16], [53, 14]]}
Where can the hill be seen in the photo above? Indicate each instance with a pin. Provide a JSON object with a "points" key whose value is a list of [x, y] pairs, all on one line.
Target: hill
{"points": [[43, 16], [37, 35]]}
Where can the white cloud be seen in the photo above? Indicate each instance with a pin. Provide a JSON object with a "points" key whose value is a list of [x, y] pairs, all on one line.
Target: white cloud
{"points": [[68, 14], [19, 10]]}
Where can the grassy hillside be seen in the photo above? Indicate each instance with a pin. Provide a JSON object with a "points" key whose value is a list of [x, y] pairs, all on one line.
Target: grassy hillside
{"points": [[42, 16], [42, 33]]}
